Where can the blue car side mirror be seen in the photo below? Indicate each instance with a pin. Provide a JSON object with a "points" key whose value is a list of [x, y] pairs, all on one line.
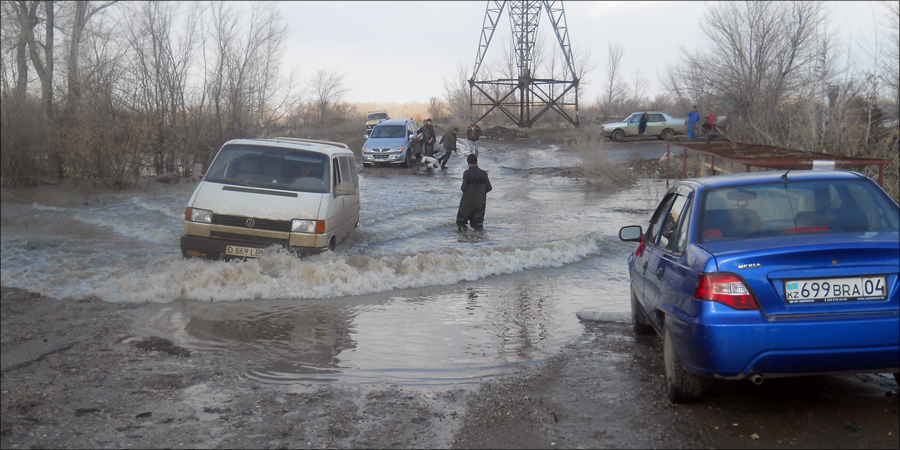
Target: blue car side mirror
{"points": [[631, 233]]}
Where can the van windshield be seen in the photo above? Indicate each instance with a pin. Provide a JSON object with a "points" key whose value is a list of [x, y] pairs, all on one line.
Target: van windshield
{"points": [[389, 131], [271, 167]]}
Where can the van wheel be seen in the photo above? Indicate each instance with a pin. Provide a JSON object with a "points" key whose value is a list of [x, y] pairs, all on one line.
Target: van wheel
{"points": [[332, 244], [681, 385]]}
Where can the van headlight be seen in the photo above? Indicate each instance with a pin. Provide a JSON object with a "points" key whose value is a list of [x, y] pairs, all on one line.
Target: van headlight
{"points": [[303, 226], [201, 215]]}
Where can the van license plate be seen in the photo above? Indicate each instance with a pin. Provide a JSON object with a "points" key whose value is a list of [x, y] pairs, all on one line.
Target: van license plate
{"points": [[836, 290], [247, 252]]}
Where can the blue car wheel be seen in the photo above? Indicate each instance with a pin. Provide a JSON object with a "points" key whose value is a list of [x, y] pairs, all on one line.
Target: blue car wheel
{"points": [[681, 385], [639, 321]]}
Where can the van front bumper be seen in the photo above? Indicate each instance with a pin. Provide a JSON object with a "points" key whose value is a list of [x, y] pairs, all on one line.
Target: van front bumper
{"points": [[214, 248]]}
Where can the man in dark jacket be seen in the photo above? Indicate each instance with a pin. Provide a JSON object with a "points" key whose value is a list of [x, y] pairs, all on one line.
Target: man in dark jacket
{"points": [[475, 186], [448, 140], [473, 134], [428, 137], [642, 126]]}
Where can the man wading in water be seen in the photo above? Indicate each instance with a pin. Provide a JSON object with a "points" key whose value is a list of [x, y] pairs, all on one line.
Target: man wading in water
{"points": [[475, 186]]}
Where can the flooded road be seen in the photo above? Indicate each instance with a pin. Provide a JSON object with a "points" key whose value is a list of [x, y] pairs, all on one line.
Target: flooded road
{"points": [[408, 300]]}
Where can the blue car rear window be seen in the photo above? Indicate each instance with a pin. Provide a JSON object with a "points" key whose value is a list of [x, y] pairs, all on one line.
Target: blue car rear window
{"points": [[778, 209]]}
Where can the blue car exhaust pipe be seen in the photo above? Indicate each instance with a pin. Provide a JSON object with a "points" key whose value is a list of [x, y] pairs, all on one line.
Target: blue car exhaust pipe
{"points": [[756, 379]]}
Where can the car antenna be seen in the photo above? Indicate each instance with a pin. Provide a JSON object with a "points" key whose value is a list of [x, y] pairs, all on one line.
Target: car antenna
{"points": [[784, 175]]}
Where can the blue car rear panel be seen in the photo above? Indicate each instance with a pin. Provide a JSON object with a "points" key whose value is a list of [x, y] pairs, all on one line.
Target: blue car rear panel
{"points": [[714, 340]]}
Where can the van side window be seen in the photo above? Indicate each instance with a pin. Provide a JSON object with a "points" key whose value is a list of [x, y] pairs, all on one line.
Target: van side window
{"points": [[337, 172], [346, 177], [354, 176]]}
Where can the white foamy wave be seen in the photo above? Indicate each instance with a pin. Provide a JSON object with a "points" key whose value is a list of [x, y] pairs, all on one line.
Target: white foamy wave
{"points": [[281, 275], [39, 207], [133, 229], [166, 210]]}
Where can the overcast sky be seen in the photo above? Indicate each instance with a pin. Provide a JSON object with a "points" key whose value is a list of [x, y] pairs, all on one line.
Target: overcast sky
{"points": [[402, 51]]}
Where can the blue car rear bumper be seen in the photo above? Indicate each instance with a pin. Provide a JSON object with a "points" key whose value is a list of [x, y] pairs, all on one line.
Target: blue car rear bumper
{"points": [[732, 344]]}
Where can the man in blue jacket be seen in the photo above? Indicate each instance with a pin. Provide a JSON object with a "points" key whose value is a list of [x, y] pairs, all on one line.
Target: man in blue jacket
{"points": [[693, 118]]}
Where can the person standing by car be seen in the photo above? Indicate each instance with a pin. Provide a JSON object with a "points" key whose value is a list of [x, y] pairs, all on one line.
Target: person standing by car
{"points": [[428, 137], [475, 186], [693, 118], [448, 140], [642, 125], [706, 129], [712, 120], [473, 134]]}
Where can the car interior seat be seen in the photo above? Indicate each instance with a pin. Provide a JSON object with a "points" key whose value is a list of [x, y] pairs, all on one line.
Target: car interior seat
{"points": [[730, 223]]}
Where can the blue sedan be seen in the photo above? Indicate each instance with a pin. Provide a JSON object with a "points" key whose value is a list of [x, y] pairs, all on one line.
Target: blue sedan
{"points": [[764, 275]]}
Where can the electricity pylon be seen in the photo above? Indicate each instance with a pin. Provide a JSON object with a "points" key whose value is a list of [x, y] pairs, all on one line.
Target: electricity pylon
{"points": [[535, 96]]}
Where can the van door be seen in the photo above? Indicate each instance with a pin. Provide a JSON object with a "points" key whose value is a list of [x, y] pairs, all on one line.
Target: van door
{"points": [[346, 206]]}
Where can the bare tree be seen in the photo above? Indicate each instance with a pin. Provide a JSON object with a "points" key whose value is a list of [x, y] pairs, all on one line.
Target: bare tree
{"points": [[435, 107], [32, 16], [757, 54], [891, 60], [84, 11], [456, 93], [327, 90], [639, 86], [613, 76]]}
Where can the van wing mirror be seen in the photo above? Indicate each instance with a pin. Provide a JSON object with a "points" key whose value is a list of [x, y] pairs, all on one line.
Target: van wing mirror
{"points": [[346, 188]]}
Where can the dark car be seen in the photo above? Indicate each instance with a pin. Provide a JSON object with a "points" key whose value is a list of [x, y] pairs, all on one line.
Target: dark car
{"points": [[763, 275]]}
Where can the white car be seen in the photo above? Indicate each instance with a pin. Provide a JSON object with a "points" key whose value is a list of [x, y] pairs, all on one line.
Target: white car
{"points": [[659, 124], [297, 193]]}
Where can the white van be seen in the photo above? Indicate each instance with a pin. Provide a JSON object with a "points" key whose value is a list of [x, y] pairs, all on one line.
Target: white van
{"points": [[298, 193]]}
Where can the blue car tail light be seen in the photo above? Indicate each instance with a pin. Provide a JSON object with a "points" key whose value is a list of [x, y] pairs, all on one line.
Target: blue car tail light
{"points": [[726, 289]]}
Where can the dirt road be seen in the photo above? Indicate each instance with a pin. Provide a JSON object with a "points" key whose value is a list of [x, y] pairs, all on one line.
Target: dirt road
{"points": [[75, 374]]}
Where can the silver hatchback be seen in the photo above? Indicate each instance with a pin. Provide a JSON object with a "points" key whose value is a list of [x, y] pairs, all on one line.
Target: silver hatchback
{"points": [[659, 124]]}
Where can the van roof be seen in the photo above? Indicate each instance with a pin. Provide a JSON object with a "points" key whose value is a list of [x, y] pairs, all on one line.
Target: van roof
{"points": [[329, 147]]}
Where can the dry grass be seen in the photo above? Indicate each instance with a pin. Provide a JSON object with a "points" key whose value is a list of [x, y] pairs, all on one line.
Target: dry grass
{"points": [[597, 168]]}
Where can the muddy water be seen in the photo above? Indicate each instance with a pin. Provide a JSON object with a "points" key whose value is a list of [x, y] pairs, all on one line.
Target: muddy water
{"points": [[408, 300]]}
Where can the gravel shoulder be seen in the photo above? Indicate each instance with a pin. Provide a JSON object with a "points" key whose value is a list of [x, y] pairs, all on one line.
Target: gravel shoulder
{"points": [[77, 374]]}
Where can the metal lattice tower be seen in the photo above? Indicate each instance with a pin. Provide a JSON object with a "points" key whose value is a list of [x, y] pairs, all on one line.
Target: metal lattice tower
{"points": [[535, 96]]}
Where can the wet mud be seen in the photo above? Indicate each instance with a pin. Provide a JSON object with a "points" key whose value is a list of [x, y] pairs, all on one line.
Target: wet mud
{"points": [[77, 375]]}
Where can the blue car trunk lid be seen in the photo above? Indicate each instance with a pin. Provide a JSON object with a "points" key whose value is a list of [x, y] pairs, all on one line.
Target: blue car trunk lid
{"points": [[773, 266]]}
